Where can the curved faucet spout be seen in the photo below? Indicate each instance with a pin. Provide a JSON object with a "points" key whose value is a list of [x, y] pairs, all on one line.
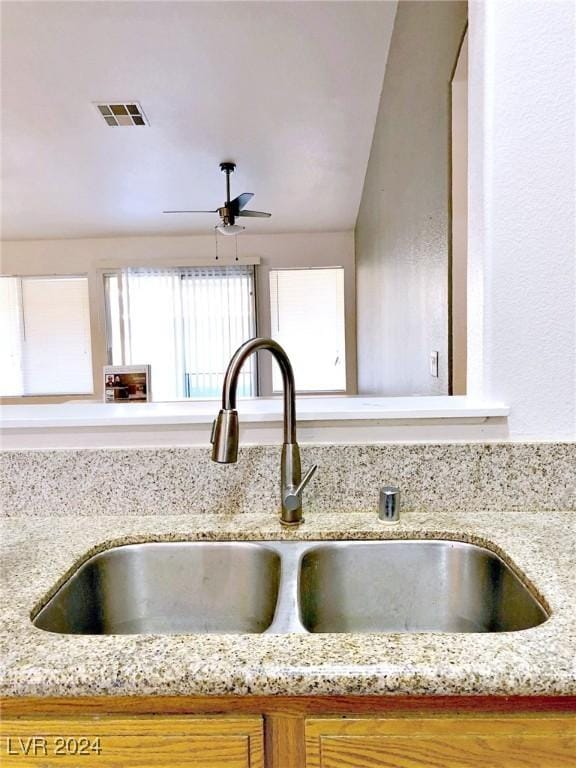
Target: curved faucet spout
{"points": [[233, 372], [225, 429]]}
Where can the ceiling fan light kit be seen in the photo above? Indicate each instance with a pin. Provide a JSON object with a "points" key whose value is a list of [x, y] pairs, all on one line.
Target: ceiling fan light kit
{"points": [[230, 229], [232, 209]]}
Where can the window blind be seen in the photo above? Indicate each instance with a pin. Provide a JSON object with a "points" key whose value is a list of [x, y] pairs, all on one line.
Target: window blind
{"points": [[184, 322], [46, 343], [11, 381], [307, 319], [219, 315]]}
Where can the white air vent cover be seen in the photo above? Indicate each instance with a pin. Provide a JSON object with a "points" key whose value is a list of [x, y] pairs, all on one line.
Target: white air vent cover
{"points": [[115, 114]]}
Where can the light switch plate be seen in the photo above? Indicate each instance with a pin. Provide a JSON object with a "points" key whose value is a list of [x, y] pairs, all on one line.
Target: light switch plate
{"points": [[434, 364]]}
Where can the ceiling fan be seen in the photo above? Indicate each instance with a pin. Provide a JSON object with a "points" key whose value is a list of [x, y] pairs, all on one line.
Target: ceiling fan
{"points": [[232, 209]]}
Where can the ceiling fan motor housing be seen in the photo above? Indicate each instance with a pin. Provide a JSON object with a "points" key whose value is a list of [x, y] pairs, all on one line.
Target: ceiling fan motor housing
{"points": [[226, 215]]}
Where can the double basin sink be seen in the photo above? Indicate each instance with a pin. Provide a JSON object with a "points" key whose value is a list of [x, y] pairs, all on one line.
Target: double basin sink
{"points": [[280, 587], [304, 587]]}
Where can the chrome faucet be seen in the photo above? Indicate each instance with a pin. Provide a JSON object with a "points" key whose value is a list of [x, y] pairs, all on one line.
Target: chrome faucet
{"points": [[225, 428]]}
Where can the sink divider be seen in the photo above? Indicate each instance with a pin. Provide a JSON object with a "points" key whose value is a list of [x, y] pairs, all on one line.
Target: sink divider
{"points": [[287, 615]]}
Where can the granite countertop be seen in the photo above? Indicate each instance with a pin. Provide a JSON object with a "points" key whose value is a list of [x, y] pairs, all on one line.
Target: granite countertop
{"points": [[37, 552]]}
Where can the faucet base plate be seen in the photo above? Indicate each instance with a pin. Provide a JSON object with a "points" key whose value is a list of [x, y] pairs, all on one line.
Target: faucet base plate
{"points": [[294, 524]]}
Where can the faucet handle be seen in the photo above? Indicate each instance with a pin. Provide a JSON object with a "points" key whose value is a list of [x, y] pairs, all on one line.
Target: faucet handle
{"points": [[293, 498], [306, 479]]}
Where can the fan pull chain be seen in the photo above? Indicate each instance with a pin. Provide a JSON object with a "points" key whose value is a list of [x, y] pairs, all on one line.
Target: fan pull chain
{"points": [[236, 238], [216, 241]]}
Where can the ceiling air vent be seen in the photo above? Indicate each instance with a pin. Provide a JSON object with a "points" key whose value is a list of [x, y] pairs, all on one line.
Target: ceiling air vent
{"points": [[122, 114]]}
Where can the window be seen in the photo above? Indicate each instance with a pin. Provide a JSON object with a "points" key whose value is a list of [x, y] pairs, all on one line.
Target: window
{"points": [[307, 319], [186, 323], [45, 346]]}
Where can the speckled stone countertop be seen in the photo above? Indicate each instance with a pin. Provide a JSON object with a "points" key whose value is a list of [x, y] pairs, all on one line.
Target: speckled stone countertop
{"points": [[37, 553]]}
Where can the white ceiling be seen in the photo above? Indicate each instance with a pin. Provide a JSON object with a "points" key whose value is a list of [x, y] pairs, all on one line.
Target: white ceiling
{"points": [[288, 90]]}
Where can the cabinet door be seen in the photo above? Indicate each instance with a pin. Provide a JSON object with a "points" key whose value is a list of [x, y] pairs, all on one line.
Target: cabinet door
{"points": [[133, 742], [442, 742]]}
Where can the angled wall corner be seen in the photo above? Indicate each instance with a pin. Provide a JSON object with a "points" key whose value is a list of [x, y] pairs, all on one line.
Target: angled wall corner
{"points": [[403, 227]]}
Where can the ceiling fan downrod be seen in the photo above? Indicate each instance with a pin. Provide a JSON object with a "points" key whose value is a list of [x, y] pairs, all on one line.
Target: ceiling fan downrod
{"points": [[227, 168], [226, 212]]}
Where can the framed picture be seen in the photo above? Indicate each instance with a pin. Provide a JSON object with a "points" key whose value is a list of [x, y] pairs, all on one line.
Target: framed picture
{"points": [[127, 384]]}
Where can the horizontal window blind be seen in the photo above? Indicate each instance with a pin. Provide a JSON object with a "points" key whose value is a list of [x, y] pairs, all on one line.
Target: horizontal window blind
{"points": [[47, 349], [307, 319], [184, 322]]}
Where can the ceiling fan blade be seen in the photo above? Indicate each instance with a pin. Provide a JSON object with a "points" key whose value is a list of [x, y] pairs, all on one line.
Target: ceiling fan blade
{"points": [[255, 214], [241, 201], [216, 211]]}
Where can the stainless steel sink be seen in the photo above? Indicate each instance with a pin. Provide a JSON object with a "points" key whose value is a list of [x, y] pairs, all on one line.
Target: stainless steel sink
{"points": [[168, 588], [280, 587], [412, 586]]}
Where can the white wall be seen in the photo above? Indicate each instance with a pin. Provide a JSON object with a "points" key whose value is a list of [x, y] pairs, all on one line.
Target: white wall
{"points": [[92, 255], [522, 244]]}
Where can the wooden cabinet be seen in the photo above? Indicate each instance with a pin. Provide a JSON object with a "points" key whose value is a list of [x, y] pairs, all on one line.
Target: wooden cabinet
{"points": [[133, 742], [289, 732], [442, 742]]}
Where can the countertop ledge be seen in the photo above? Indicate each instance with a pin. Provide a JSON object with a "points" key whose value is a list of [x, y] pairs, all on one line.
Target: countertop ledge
{"points": [[37, 553], [253, 410]]}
